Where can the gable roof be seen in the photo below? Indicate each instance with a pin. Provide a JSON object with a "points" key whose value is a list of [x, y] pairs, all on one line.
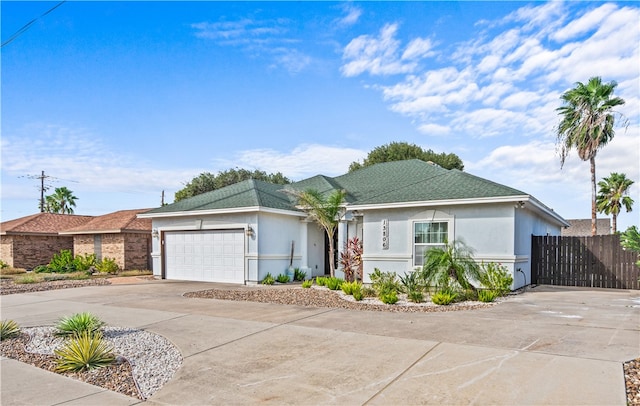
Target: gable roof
{"points": [[42, 224], [249, 193], [398, 183], [117, 222]]}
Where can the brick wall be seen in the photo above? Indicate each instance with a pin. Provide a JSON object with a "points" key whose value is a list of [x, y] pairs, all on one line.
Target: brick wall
{"points": [[6, 249], [32, 250], [137, 251], [113, 247], [83, 244]]}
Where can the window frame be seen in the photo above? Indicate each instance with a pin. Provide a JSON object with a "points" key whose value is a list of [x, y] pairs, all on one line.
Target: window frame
{"points": [[448, 237]]}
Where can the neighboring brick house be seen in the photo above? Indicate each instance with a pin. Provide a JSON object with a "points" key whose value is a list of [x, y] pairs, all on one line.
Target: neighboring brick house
{"points": [[582, 227], [30, 241], [119, 235]]}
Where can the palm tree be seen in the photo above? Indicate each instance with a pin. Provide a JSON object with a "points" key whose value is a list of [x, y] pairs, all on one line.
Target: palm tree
{"points": [[325, 210], [586, 124], [451, 264], [61, 201], [613, 195]]}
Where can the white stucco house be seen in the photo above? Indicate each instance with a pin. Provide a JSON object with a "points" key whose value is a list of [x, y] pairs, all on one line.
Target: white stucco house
{"points": [[240, 233]]}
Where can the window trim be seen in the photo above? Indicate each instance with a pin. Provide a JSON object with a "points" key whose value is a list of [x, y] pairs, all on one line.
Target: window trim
{"points": [[450, 235]]}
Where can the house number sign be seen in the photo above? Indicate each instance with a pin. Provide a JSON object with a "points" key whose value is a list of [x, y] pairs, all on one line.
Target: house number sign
{"points": [[385, 234]]}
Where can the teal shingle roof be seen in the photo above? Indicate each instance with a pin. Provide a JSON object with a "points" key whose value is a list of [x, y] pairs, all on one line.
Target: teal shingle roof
{"points": [[389, 182], [248, 193]]}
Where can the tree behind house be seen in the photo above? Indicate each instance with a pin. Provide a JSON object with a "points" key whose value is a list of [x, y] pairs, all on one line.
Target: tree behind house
{"points": [[61, 201], [586, 125], [613, 195]]}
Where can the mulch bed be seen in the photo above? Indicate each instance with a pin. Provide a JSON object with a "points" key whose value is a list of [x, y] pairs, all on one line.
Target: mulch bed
{"points": [[8, 287]]}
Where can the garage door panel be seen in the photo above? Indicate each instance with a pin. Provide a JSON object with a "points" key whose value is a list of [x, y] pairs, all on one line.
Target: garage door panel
{"points": [[209, 255]]}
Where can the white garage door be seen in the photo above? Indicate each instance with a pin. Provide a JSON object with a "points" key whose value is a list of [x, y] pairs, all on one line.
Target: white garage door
{"points": [[208, 256]]}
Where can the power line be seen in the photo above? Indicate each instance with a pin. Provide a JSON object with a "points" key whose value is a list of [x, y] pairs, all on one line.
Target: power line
{"points": [[43, 187], [29, 24]]}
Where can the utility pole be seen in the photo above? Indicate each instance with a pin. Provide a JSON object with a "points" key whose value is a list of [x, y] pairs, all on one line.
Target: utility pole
{"points": [[162, 201], [43, 188]]}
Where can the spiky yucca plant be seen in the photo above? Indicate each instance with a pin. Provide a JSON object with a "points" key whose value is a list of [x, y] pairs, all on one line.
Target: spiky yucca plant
{"points": [[77, 324], [8, 329], [85, 351]]}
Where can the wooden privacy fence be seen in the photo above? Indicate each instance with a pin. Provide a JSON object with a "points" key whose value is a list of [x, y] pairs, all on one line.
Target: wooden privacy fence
{"points": [[596, 262]]}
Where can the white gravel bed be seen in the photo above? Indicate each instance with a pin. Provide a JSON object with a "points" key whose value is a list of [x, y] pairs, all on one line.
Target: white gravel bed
{"points": [[154, 359]]}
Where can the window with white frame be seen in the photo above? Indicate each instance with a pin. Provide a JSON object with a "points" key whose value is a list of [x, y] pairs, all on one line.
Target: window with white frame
{"points": [[426, 235]]}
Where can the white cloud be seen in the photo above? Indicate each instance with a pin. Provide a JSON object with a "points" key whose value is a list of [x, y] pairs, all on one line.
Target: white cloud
{"points": [[352, 15], [79, 157], [267, 38], [304, 161], [418, 48], [584, 24], [506, 80], [434, 129]]}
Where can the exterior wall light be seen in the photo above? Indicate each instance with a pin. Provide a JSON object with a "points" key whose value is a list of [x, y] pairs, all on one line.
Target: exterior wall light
{"points": [[154, 233], [250, 232]]}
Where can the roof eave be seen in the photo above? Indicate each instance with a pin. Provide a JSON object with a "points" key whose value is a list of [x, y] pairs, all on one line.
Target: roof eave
{"points": [[443, 202], [232, 210], [538, 206]]}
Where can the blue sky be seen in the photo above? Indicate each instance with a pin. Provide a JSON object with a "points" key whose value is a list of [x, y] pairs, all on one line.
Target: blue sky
{"points": [[119, 101]]}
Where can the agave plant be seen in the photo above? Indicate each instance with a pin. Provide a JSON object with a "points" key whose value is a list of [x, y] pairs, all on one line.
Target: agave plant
{"points": [[8, 329], [83, 352], [77, 324]]}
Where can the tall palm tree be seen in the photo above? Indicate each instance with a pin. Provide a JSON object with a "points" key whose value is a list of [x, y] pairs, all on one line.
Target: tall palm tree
{"points": [[61, 201], [325, 210], [613, 195], [587, 122]]}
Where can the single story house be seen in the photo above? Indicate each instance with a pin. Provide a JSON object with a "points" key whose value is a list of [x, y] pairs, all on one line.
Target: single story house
{"points": [[33, 240], [239, 233], [120, 235]]}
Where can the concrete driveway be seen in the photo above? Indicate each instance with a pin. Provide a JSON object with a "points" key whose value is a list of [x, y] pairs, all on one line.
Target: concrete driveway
{"points": [[547, 346]]}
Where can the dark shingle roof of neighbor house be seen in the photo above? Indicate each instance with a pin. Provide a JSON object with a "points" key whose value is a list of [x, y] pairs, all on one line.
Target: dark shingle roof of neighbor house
{"points": [[390, 182], [582, 227], [43, 223], [116, 222]]}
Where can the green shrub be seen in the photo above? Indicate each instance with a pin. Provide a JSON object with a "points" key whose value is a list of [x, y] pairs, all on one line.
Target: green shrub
{"points": [[357, 292], [84, 352], [77, 324], [3, 265], [8, 329], [63, 262], [41, 269], [415, 296], [468, 294], [496, 277], [321, 281], [487, 295], [269, 279], [307, 284], [349, 287], [282, 278], [107, 265], [299, 275], [390, 297], [334, 283], [28, 278], [444, 297], [368, 291], [384, 282], [84, 262], [411, 282]]}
